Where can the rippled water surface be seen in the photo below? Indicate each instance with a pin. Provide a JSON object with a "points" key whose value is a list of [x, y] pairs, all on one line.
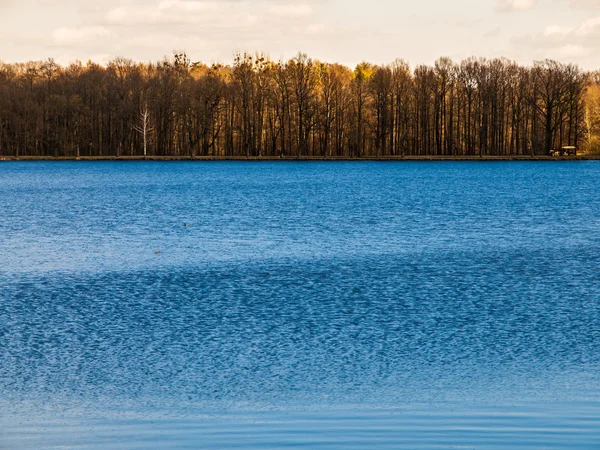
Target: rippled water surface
{"points": [[279, 305]]}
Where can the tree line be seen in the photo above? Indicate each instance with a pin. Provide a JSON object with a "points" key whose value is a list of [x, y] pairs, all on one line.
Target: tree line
{"points": [[298, 108]]}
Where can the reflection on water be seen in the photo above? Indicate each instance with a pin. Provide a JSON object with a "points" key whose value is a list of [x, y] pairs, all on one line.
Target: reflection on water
{"points": [[326, 305]]}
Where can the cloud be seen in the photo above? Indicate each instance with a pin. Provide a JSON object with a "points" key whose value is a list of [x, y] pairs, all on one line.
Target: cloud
{"points": [[569, 43], [77, 36], [221, 24], [585, 4], [230, 13], [6, 4], [167, 12], [571, 51], [515, 5], [343, 30], [205, 29], [586, 33], [493, 32], [291, 10], [589, 28]]}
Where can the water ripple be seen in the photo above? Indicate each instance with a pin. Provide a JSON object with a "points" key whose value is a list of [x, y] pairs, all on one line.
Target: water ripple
{"points": [[337, 306]]}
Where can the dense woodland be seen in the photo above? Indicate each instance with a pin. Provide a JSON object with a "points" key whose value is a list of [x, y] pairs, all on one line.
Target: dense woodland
{"points": [[299, 108]]}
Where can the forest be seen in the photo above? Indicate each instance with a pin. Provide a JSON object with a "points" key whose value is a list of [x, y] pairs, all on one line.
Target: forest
{"points": [[258, 107]]}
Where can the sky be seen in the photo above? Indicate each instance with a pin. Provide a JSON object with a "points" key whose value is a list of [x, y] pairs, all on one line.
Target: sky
{"points": [[345, 31]]}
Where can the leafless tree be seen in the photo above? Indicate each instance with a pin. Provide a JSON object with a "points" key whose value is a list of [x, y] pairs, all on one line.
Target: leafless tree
{"points": [[144, 128], [301, 107]]}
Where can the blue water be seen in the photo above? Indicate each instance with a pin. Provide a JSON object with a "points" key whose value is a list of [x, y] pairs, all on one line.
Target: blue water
{"points": [[318, 305]]}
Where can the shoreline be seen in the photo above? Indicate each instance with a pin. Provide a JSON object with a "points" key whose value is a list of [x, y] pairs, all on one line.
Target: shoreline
{"points": [[595, 157]]}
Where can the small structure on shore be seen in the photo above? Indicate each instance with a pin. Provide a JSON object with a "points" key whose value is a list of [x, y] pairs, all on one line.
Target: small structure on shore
{"points": [[564, 151]]}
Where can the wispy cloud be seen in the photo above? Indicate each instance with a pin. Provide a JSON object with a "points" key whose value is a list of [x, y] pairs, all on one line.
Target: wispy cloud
{"points": [[585, 4], [515, 5], [493, 32], [80, 35], [577, 43], [344, 30]]}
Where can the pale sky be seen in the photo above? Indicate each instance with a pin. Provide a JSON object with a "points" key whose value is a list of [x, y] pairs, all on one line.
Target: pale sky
{"points": [[345, 31]]}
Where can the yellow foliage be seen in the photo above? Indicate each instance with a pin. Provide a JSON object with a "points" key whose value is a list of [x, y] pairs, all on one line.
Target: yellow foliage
{"points": [[364, 71]]}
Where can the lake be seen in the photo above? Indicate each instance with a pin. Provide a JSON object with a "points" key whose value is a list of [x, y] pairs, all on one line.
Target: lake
{"points": [[275, 305]]}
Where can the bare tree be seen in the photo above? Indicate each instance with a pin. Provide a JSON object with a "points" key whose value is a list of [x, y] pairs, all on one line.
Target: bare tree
{"points": [[144, 129], [301, 107]]}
